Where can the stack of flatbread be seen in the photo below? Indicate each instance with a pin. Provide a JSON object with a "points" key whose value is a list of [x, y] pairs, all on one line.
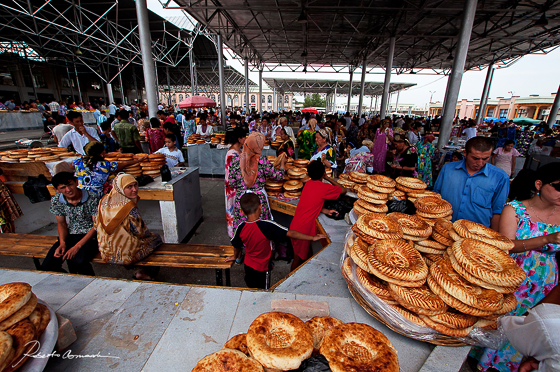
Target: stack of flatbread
{"points": [[278, 342], [433, 207], [450, 277], [22, 320]]}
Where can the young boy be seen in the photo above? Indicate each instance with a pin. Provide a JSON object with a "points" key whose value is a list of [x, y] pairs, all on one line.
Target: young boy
{"points": [[313, 196], [256, 235], [106, 138], [173, 155]]}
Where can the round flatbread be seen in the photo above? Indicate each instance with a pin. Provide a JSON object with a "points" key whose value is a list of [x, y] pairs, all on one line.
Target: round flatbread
{"points": [[397, 262], [409, 315], [279, 340], [6, 343], [412, 225], [227, 360], [238, 342], [12, 298], [411, 183], [22, 333], [379, 227], [373, 284], [359, 253], [319, 325], [365, 237], [453, 332], [473, 230], [375, 208], [420, 300], [21, 314], [381, 181], [358, 347]]}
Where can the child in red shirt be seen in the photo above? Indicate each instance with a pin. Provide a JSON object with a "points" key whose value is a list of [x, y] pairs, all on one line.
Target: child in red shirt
{"points": [[313, 196], [256, 235]]}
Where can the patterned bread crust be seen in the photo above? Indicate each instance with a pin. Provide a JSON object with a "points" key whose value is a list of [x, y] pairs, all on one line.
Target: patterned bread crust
{"points": [[382, 190], [405, 189], [453, 332], [371, 194], [375, 208], [510, 303], [442, 227], [279, 340], [381, 181], [419, 194], [238, 342], [442, 239], [429, 221], [412, 225], [421, 248], [319, 325], [379, 227], [413, 238], [412, 183], [488, 263], [362, 196], [461, 289], [358, 347], [473, 230], [452, 301], [433, 215], [454, 319], [409, 315], [346, 183], [349, 243], [358, 177], [347, 269], [432, 205], [363, 235], [432, 244], [359, 253], [227, 360], [473, 279], [456, 237], [420, 300], [396, 259], [373, 284], [360, 210]]}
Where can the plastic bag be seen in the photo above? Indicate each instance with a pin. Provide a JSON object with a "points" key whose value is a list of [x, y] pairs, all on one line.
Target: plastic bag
{"points": [[165, 173], [402, 206], [318, 363], [36, 189]]}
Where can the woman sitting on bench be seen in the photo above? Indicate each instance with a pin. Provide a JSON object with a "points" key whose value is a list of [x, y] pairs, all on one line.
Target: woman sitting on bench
{"points": [[123, 237]]}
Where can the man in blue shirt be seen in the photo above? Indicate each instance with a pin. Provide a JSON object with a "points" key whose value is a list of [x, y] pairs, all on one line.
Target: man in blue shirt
{"points": [[477, 191]]}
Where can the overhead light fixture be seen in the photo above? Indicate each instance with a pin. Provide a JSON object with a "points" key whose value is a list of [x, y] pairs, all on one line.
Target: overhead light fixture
{"points": [[541, 22], [412, 72], [305, 69], [304, 53], [78, 52], [450, 57], [302, 17]]}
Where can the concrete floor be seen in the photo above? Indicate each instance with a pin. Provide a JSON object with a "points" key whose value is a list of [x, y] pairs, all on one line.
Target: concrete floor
{"points": [[211, 230]]}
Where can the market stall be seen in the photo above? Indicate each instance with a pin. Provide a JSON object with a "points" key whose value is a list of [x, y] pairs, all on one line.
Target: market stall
{"points": [[20, 120], [210, 159]]}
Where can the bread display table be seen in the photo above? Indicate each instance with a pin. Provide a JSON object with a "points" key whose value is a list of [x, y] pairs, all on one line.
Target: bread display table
{"points": [[212, 161], [173, 207], [145, 325]]}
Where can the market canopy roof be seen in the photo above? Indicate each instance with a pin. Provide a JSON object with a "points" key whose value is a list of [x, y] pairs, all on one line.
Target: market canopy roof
{"points": [[207, 79], [328, 86], [289, 34]]}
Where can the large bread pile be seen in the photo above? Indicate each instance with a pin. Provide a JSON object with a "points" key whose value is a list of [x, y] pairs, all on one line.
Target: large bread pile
{"points": [[22, 320], [150, 166], [41, 154], [195, 139], [294, 178], [218, 139], [450, 277], [281, 342]]}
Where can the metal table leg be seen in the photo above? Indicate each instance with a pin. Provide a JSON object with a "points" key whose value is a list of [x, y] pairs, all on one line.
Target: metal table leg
{"points": [[219, 279]]}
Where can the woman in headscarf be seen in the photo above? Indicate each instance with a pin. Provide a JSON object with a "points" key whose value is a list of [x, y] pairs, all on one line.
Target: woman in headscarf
{"points": [[383, 137], [360, 159], [425, 154], [93, 171], [277, 127], [287, 147], [324, 152], [236, 138], [306, 140], [122, 235], [249, 174], [155, 135]]}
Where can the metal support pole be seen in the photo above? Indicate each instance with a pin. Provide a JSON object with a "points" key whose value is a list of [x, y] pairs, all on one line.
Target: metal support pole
{"points": [[370, 105], [104, 92], [454, 82], [193, 77], [397, 103], [554, 110], [138, 95], [247, 85], [350, 90], [110, 98], [274, 99], [221, 75], [31, 74], [70, 82], [260, 89], [363, 87], [485, 93], [168, 86], [148, 63], [375, 108], [157, 84], [387, 83], [334, 97], [77, 83], [121, 84]]}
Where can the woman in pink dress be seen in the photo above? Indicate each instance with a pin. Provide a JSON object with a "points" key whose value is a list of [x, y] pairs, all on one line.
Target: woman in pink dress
{"points": [[236, 138], [505, 157], [155, 135], [383, 137]]}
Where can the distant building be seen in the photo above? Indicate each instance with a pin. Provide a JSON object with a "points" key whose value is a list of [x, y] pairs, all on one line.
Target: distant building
{"points": [[237, 99]]}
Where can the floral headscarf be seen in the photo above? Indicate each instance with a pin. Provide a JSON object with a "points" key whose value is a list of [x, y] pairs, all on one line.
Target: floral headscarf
{"points": [[249, 159]]}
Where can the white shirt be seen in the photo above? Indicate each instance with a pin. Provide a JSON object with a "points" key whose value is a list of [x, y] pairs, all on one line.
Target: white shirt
{"points": [[160, 107], [209, 130], [348, 121], [53, 106], [77, 140], [172, 157], [361, 122], [112, 109], [61, 129], [412, 137], [470, 132]]}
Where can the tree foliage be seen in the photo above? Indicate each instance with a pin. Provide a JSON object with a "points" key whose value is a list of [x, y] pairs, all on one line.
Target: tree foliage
{"points": [[314, 100]]}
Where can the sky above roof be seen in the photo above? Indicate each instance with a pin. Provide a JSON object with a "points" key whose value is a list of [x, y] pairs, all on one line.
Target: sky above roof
{"points": [[532, 74]]}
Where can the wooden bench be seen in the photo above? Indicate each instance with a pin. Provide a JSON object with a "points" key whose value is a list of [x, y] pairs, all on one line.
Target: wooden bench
{"points": [[197, 256]]}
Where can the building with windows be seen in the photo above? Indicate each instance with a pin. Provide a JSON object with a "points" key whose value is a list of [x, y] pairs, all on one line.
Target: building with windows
{"points": [[270, 100]]}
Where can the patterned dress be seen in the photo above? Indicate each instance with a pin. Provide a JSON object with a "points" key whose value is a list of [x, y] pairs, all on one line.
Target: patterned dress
{"points": [[306, 144], [359, 162], [379, 150], [266, 170], [524, 139], [425, 154], [93, 180], [156, 138], [231, 157], [9, 209], [330, 155], [286, 148], [542, 276]]}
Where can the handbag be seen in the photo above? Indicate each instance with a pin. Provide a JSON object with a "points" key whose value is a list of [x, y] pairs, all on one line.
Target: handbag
{"points": [[35, 188]]}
